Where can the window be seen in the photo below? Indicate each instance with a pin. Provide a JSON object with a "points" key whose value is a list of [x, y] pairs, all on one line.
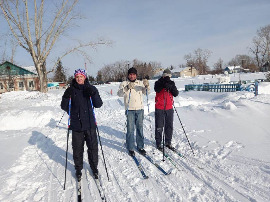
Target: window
{"points": [[11, 85], [31, 83], [21, 85]]}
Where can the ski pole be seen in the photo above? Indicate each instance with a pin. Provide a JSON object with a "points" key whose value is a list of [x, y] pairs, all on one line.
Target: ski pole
{"points": [[60, 119], [128, 101], [164, 113], [69, 107], [147, 77], [147, 100], [57, 124], [99, 138], [126, 120], [182, 126]]}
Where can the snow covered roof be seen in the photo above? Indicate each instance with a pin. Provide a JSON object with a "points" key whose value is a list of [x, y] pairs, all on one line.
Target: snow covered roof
{"points": [[233, 67], [31, 69]]}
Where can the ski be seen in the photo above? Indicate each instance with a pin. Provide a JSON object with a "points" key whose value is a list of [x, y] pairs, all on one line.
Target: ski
{"points": [[79, 189], [100, 189], [99, 186], [184, 157], [140, 167], [155, 164]]}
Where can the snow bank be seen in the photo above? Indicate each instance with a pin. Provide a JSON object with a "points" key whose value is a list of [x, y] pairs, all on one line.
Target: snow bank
{"points": [[264, 88]]}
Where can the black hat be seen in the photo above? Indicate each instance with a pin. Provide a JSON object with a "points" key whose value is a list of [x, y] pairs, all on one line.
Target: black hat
{"points": [[132, 70]]}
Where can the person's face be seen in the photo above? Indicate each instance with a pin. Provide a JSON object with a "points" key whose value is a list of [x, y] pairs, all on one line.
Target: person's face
{"points": [[132, 76], [80, 79]]}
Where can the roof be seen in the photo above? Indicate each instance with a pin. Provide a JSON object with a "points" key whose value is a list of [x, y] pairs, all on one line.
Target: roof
{"points": [[233, 67], [180, 69], [31, 69], [8, 68]]}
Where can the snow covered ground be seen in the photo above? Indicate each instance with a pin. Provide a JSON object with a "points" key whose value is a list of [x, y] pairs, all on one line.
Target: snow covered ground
{"points": [[229, 133]]}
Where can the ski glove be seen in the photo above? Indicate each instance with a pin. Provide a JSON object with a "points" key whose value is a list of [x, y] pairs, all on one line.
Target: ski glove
{"points": [[67, 93], [168, 86], [145, 83], [131, 85], [89, 91]]}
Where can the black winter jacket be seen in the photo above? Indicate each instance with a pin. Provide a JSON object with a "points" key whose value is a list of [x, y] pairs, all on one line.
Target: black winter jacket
{"points": [[81, 115], [165, 82]]}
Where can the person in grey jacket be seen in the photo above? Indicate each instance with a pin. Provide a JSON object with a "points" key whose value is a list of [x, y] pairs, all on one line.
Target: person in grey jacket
{"points": [[133, 90]]}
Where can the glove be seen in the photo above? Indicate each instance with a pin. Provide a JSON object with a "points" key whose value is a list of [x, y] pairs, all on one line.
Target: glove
{"points": [[89, 91], [145, 83], [67, 93], [168, 86], [131, 85]]}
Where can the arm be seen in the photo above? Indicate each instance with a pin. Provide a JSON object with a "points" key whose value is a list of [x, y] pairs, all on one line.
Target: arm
{"points": [[65, 99], [174, 90], [96, 99], [123, 89], [158, 86]]}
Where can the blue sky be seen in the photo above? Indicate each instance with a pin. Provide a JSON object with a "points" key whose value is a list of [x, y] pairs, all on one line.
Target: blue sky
{"points": [[163, 31]]}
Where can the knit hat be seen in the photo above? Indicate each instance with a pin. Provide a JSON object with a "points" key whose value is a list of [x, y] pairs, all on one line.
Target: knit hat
{"points": [[167, 72], [132, 70], [80, 71]]}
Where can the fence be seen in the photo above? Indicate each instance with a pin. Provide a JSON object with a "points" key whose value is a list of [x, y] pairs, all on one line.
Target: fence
{"points": [[213, 87]]}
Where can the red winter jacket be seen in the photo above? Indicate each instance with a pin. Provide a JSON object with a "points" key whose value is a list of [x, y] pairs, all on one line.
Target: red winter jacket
{"points": [[162, 98]]}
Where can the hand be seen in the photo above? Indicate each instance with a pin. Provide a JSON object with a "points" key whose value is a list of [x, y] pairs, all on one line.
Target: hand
{"points": [[67, 93], [131, 85], [145, 83], [168, 86], [89, 91]]}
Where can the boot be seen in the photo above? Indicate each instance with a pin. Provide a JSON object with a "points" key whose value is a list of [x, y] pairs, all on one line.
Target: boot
{"points": [[79, 174], [142, 152], [95, 175], [169, 146], [131, 153]]}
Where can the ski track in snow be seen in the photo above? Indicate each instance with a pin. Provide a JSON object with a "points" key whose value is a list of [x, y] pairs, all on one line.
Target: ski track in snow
{"points": [[38, 173]]}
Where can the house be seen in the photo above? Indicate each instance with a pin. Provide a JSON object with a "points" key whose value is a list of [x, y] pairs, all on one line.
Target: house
{"points": [[188, 71], [56, 85], [265, 67], [180, 72], [15, 78], [233, 69]]}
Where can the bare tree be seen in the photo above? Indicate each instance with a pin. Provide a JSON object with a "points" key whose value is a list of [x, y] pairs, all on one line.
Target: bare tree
{"points": [[261, 46], [198, 60], [37, 32], [118, 70], [218, 66], [246, 61]]}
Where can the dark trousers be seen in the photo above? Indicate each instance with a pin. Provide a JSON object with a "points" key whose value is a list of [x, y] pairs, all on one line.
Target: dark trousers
{"points": [[163, 117], [90, 137]]}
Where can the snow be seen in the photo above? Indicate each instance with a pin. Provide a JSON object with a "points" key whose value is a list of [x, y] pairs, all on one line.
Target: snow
{"points": [[228, 132], [31, 69]]}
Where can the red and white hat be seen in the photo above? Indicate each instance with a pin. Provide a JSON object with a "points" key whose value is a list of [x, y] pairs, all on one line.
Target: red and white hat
{"points": [[80, 71]]}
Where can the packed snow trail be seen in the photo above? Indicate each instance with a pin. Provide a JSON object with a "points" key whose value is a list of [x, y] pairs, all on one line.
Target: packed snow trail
{"points": [[34, 145]]}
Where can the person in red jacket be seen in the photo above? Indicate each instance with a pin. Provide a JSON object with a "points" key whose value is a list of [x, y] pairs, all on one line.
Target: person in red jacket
{"points": [[165, 91]]}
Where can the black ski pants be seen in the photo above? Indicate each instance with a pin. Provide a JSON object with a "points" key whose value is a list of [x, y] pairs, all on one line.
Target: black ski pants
{"points": [[163, 117], [90, 137]]}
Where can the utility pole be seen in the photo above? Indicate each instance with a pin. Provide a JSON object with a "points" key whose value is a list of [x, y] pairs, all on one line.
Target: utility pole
{"points": [[85, 67]]}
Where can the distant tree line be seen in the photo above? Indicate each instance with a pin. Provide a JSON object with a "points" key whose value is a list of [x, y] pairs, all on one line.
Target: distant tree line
{"points": [[118, 70]]}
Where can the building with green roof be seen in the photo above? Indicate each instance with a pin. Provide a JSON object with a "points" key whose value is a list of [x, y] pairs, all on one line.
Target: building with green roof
{"points": [[15, 78]]}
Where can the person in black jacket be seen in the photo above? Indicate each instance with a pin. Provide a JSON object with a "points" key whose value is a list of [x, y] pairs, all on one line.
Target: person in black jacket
{"points": [[82, 120], [165, 91]]}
